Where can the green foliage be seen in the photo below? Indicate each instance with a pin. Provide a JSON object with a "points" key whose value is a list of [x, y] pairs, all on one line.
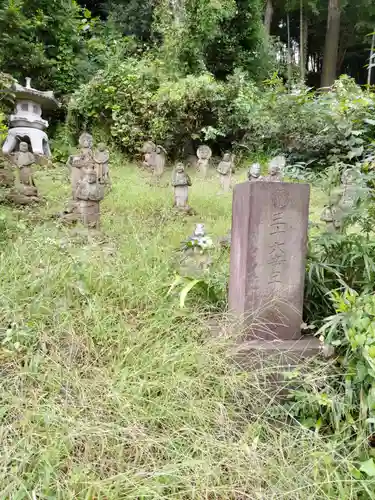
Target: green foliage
{"points": [[302, 122], [138, 101]]}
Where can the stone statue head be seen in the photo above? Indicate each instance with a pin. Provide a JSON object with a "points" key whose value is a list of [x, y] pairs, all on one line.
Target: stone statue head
{"points": [[204, 152], [24, 147], [148, 147], [180, 168], [254, 170], [85, 140], [90, 175], [199, 230], [273, 169], [101, 146], [227, 157]]}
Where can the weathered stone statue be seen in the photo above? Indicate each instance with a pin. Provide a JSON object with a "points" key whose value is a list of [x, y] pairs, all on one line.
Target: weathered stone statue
{"points": [[159, 162], [181, 182], [149, 149], [24, 160], [225, 169], [350, 191], [332, 219], [253, 173], [83, 160], [89, 194], [101, 160], [204, 154], [274, 172], [25, 192]]}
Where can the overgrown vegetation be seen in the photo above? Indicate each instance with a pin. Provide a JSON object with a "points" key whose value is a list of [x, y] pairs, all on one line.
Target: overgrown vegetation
{"points": [[109, 389]]}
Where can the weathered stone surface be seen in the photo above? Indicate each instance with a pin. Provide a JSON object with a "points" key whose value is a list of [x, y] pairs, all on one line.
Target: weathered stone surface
{"points": [[88, 195], [225, 170], [181, 182], [275, 169], [253, 173], [268, 251], [82, 161], [204, 154], [101, 160]]}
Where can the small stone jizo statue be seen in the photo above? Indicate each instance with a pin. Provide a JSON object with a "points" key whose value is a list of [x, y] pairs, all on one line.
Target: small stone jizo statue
{"points": [[89, 194], [25, 192], [101, 160], [274, 173], [24, 160], [204, 154], [225, 170], [181, 183], [253, 173], [83, 160], [159, 162]]}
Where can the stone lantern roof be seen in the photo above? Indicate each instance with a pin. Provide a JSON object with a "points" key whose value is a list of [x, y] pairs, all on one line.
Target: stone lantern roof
{"points": [[45, 99]]}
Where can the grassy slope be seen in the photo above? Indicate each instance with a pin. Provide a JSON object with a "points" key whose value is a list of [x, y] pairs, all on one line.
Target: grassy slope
{"points": [[107, 389]]}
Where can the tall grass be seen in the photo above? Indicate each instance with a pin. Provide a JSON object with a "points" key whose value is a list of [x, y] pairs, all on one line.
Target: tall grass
{"points": [[109, 391]]}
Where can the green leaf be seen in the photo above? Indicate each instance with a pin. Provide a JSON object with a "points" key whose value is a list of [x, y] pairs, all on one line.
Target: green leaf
{"points": [[368, 467], [185, 291], [177, 281]]}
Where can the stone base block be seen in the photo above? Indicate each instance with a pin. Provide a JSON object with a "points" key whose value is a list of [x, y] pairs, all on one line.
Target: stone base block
{"points": [[285, 353]]}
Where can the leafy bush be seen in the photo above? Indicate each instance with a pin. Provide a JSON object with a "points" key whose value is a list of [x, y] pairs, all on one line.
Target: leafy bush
{"points": [[138, 101]]}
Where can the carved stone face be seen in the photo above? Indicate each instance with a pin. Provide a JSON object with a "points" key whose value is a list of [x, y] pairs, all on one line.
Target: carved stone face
{"points": [[90, 175], [101, 146], [273, 169], [180, 168], [226, 157], [255, 170], [85, 144], [24, 147]]}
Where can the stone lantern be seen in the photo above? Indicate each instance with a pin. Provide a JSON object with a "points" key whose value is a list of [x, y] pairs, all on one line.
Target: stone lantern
{"points": [[27, 123]]}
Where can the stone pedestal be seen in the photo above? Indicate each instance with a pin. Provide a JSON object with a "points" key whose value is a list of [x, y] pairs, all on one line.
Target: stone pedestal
{"points": [[268, 252]]}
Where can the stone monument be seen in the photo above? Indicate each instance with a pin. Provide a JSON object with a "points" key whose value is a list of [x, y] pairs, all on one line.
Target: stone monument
{"points": [[225, 169], [89, 194], [253, 173], [101, 160], [27, 121], [181, 183], [267, 262], [204, 154]]}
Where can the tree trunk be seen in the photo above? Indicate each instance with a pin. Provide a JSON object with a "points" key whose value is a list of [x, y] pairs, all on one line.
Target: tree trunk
{"points": [[305, 43], [289, 60], [302, 42], [268, 16], [371, 63], [331, 43]]}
